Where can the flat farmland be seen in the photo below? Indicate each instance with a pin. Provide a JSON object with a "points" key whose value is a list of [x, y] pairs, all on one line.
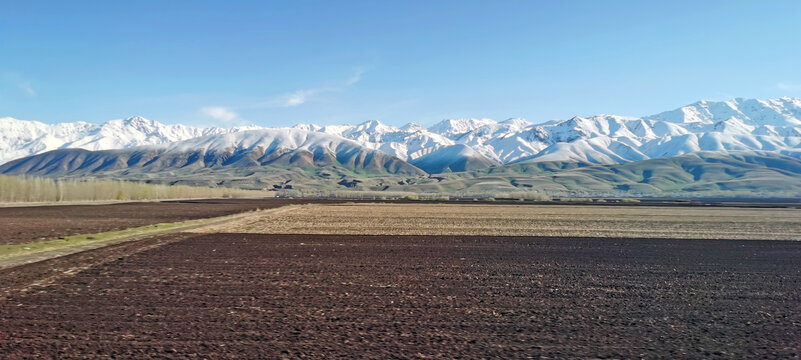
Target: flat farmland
{"points": [[527, 220], [471, 288]]}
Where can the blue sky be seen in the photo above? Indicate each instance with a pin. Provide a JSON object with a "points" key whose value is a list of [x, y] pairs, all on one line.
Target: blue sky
{"points": [[277, 63]]}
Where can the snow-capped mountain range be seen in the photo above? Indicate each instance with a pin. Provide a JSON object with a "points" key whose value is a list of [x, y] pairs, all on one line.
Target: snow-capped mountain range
{"points": [[466, 144], [20, 138], [739, 124]]}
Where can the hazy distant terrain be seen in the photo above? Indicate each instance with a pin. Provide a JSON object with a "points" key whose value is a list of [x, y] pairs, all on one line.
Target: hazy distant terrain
{"points": [[698, 174]]}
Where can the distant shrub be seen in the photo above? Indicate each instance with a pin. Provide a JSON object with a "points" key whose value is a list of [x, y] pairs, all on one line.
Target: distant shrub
{"points": [[525, 195]]}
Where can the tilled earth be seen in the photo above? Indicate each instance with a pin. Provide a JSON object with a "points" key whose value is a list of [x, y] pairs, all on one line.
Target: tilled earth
{"points": [[36, 223], [323, 296]]}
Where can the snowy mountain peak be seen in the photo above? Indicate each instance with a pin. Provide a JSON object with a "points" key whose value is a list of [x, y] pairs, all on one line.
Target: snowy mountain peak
{"points": [[413, 126], [460, 126], [777, 112], [307, 127], [139, 120], [374, 126], [518, 123]]}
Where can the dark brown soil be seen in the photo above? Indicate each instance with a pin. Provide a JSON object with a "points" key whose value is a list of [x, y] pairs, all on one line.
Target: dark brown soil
{"points": [[36, 223], [21, 277], [323, 296]]}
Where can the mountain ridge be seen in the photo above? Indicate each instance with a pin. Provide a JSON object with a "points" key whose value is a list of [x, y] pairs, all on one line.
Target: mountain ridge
{"points": [[20, 138], [732, 125], [242, 149]]}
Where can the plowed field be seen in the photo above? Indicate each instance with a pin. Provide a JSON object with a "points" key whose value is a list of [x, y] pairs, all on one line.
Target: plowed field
{"points": [[324, 296]]}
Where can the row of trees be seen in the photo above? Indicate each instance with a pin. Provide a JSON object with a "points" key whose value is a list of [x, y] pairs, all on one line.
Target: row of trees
{"points": [[36, 189]]}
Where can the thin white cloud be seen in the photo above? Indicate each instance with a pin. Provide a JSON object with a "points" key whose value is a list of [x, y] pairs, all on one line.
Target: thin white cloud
{"points": [[219, 113], [300, 97], [355, 78], [296, 98], [27, 88], [788, 86]]}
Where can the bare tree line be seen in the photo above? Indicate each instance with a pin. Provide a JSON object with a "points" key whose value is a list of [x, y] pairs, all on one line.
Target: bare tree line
{"points": [[36, 189]]}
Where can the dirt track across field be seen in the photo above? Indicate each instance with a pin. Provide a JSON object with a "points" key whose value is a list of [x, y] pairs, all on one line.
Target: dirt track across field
{"points": [[21, 225], [323, 296]]}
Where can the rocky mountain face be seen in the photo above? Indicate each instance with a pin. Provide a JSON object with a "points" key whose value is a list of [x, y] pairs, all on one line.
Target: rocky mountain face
{"points": [[252, 148]]}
